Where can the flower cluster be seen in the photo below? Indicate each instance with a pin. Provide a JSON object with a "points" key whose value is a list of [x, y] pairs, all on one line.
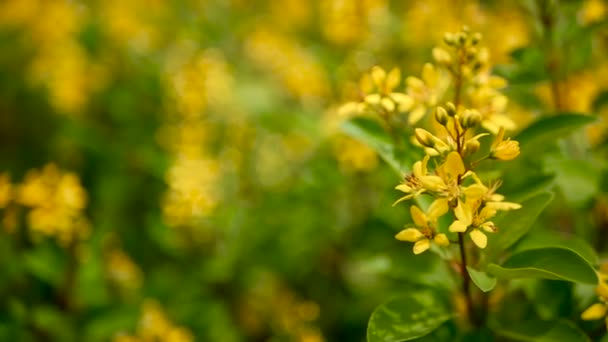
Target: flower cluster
{"points": [[57, 202], [455, 150]]}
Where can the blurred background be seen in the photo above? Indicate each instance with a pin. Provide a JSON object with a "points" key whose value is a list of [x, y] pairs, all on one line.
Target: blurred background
{"points": [[176, 171]]}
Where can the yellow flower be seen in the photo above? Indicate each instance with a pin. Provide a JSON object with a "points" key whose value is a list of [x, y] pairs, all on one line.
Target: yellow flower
{"points": [[425, 91], [469, 214], [419, 181], [424, 232], [504, 149]]}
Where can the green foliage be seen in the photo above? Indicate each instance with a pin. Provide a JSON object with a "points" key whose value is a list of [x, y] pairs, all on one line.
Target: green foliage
{"points": [[408, 317], [547, 263]]}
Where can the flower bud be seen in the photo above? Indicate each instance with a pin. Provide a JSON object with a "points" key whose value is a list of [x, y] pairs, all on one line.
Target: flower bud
{"points": [[424, 137], [441, 115], [476, 38], [471, 146], [449, 39], [450, 109], [470, 118]]}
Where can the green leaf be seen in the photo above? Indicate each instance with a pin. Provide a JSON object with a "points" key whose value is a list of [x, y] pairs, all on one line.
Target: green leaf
{"points": [[485, 282], [544, 331], [408, 317], [546, 263], [550, 129], [543, 238], [371, 133], [513, 225], [578, 179]]}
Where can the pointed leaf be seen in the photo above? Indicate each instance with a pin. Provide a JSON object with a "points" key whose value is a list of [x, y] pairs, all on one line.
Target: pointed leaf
{"points": [[550, 129], [485, 282], [546, 263], [544, 331], [408, 317], [513, 225]]}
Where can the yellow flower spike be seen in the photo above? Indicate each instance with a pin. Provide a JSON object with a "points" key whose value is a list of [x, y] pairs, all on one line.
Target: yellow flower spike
{"points": [[504, 149], [594, 312], [421, 246], [409, 235], [441, 240], [378, 76], [479, 238]]}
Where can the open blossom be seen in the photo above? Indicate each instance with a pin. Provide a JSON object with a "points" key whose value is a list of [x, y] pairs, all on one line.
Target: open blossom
{"points": [[425, 91], [378, 94], [424, 231], [504, 149]]}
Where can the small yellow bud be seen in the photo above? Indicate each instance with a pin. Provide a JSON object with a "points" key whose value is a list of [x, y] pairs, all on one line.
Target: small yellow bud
{"points": [[470, 118], [450, 108], [441, 115], [441, 240], [476, 38], [449, 38], [595, 311], [409, 235], [461, 38], [471, 146], [424, 137]]}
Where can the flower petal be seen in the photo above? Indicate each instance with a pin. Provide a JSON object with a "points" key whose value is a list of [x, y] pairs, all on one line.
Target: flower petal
{"points": [[479, 238], [458, 227], [441, 240], [438, 208], [595, 311], [421, 246], [409, 235], [418, 216]]}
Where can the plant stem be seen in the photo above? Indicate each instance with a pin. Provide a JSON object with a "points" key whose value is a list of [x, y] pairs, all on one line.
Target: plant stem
{"points": [[466, 287]]}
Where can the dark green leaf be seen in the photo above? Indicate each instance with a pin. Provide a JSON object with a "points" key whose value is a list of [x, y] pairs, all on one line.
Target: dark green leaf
{"points": [[546, 263], [544, 331], [485, 282], [513, 225], [542, 238], [408, 317], [550, 129]]}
